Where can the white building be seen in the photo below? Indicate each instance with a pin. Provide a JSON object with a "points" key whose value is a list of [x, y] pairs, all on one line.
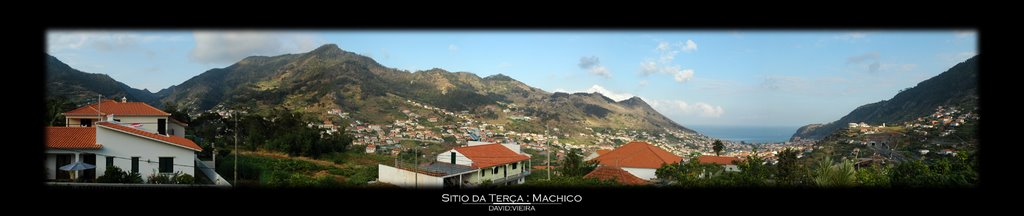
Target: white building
{"points": [[638, 158], [133, 136], [467, 166]]}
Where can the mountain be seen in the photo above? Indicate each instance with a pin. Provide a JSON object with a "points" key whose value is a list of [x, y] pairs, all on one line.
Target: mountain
{"points": [[957, 86], [328, 78], [81, 87]]}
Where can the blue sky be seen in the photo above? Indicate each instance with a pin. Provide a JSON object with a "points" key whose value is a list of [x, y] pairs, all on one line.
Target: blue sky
{"points": [[742, 78]]}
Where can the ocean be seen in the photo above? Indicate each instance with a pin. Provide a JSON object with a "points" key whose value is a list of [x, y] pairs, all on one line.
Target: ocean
{"points": [[749, 134]]}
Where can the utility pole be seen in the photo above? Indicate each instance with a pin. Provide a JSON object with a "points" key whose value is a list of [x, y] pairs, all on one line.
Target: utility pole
{"points": [[548, 148], [236, 147], [416, 154]]}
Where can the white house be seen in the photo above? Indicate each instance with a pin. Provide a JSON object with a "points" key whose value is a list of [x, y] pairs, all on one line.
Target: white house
{"points": [[466, 166], [727, 162], [638, 158], [133, 136]]}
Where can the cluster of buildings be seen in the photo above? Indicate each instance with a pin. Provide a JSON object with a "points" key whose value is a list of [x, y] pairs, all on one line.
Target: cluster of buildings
{"points": [[944, 121]]}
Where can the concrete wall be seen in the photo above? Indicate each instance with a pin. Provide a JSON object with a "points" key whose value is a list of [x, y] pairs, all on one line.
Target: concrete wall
{"points": [[406, 179], [644, 173]]}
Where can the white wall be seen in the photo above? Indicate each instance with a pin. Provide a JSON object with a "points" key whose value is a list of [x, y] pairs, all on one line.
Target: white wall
{"points": [[149, 123], [460, 159], [644, 173], [176, 130], [51, 161], [513, 147], [406, 179], [125, 146]]}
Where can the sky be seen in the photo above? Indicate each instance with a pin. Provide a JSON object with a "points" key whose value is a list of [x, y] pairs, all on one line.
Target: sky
{"points": [[720, 78]]}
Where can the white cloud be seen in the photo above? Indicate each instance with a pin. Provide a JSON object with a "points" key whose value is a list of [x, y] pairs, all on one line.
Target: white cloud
{"points": [[664, 46], [589, 62], [683, 75], [601, 71], [617, 96], [57, 41], [229, 47], [873, 67], [871, 59], [852, 36], [951, 59], [857, 59], [689, 46], [648, 67], [897, 67], [593, 64], [667, 107], [679, 107], [667, 53]]}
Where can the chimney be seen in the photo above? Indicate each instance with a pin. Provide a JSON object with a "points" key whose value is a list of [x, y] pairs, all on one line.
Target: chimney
{"points": [[124, 99]]}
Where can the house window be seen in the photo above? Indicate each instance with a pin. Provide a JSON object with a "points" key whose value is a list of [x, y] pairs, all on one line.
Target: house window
{"points": [[495, 169], [482, 173], [135, 164], [514, 165], [110, 161], [166, 164], [161, 126], [86, 123]]}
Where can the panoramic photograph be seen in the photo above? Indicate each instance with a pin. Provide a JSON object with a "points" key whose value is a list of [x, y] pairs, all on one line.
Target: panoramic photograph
{"points": [[411, 110]]}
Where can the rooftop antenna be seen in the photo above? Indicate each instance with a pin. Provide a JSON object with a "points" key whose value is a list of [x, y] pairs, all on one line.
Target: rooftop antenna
{"points": [[99, 108]]}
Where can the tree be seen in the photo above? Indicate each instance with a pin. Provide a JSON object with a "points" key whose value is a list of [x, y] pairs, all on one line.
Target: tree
{"points": [[176, 113], [55, 107], [787, 168], [718, 147], [874, 176], [830, 174], [690, 173], [753, 172], [574, 166]]}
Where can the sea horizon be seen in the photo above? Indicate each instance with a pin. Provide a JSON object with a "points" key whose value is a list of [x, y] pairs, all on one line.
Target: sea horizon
{"points": [[749, 134]]}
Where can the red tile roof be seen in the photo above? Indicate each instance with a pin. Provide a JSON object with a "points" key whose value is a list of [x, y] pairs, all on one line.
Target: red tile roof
{"points": [[603, 151], [118, 108], [489, 155], [71, 138], [638, 155], [615, 174], [173, 140], [706, 159]]}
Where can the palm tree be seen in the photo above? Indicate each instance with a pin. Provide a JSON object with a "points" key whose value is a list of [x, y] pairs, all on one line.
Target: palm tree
{"points": [[718, 147], [829, 174]]}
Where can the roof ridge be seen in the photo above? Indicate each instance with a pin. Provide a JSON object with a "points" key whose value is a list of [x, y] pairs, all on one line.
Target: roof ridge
{"points": [[125, 130], [663, 160]]}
